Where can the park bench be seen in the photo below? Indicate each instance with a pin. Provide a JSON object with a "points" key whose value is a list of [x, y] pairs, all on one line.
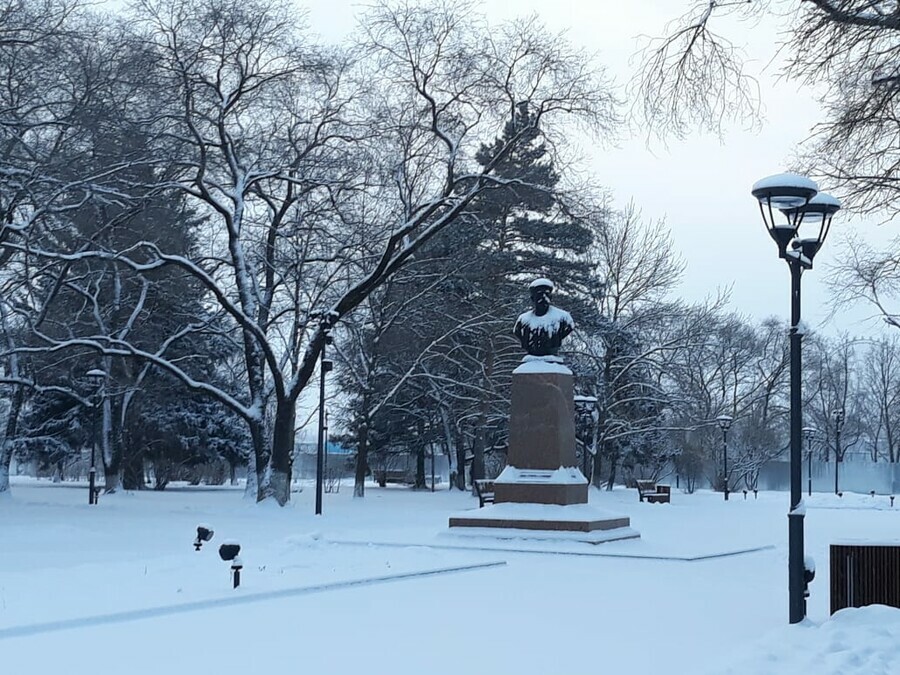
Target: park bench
{"points": [[653, 493], [485, 490], [385, 476]]}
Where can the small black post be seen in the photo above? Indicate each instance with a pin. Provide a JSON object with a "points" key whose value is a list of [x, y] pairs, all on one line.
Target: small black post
{"points": [[838, 424], [725, 459]]}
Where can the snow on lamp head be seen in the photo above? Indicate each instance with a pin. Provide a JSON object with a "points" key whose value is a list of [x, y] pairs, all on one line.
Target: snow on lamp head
{"points": [[788, 193]]}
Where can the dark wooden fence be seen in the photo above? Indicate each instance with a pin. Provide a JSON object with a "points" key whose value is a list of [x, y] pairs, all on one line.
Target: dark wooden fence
{"points": [[864, 574]]}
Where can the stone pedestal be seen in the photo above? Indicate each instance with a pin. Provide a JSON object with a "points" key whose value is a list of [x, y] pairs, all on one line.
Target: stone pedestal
{"points": [[541, 489], [541, 460]]}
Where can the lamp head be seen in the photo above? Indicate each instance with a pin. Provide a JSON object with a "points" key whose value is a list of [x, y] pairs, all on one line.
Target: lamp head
{"points": [[788, 193], [229, 550], [817, 213], [724, 422]]}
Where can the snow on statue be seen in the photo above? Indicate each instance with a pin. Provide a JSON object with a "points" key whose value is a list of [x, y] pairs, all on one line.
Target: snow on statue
{"points": [[542, 330]]}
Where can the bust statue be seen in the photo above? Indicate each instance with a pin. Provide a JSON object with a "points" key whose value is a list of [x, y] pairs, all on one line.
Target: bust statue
{"points": [[542, 330]]}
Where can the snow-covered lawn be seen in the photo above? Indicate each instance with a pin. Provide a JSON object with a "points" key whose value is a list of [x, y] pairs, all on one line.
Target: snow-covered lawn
{"points": [[119, 588]]}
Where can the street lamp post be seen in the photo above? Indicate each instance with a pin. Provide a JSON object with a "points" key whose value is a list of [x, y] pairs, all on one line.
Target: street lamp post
{"points": [[809, 433], [838, 416], [99, 378], [725, 424], [799, 201], [325, 435], [324, 367], [587, 407]]}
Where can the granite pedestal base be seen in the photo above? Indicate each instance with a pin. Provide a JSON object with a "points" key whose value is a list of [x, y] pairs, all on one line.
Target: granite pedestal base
{"points": [[550, 518]]}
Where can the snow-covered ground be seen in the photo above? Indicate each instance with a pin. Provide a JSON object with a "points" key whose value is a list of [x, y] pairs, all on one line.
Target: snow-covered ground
{"points": [[118, 587]]}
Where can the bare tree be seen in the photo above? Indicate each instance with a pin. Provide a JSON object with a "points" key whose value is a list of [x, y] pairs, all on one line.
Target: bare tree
{"points": [[693, 77], [320, 175], [881, 382]]}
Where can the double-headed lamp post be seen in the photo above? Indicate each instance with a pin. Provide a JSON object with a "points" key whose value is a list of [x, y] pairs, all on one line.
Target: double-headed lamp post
{"points": [[838, 416], [725, 424], [97, 376], [809, 433], [326, 322], [800, 204]]}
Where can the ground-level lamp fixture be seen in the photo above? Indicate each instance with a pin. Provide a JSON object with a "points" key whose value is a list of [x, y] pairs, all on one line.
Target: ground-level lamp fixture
{"points": [[725, 422], [809, 433], [838, 417], [789, 203], [228, 552], [98, 377], [204, 533]]}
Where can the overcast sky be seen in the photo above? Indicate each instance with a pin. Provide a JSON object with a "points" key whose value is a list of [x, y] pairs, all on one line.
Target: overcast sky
{"points": [[700, 186]]}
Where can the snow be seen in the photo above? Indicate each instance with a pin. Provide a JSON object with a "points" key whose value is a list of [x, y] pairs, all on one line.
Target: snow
{"points": [[533, 366], [784, 191], [548, 322], [553, 512], [381, 585], [784, 180], [825, 199], [542, 283], [560, 476]]}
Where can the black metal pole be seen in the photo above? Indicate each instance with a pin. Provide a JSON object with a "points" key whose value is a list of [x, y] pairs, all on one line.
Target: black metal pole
{"points": [[92, 472], [320, 451], [725, 459], [809, 463], [837, 452], [797, 601], [325, 444]]}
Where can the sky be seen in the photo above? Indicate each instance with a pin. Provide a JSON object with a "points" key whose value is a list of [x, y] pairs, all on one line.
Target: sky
{"points": [[699, 186]]}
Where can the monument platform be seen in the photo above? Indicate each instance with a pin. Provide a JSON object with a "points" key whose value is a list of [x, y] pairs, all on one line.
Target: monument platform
{"points": [[564, 486], [550, 518]]}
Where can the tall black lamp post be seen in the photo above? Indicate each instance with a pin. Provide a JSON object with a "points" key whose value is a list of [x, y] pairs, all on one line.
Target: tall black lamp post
{"points": [[800, 203], [99, 378], [809, 433], [725, 424], [325, 366], [838, 416]]}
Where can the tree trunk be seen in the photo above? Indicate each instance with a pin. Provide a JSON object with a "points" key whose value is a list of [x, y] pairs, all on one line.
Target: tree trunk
{"points": [[613, 467], [110, 448], [421, 483], [275, 480], [420, 456], [362, 460], [12, 427], [133, 470], [5, 459]]}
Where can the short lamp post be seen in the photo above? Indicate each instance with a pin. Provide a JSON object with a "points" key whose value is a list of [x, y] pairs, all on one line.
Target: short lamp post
{"points": [[838, 416], [809, 433], [725, 424], [788, 202], [325, 366], [97, 376]]}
